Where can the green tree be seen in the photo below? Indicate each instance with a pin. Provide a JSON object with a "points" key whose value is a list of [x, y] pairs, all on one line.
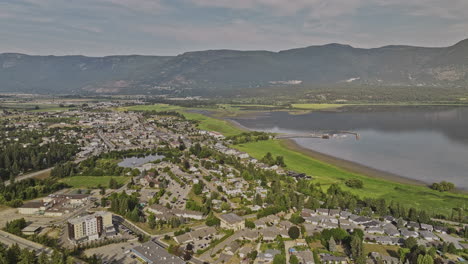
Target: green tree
{"points": [[294, 232], [293, 260], [151, 221], [410, 243], [425, 259]]}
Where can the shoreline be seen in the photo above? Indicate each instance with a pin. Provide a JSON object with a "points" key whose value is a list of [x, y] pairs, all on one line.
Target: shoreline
{"points": [[347, 165], [351, 166]]}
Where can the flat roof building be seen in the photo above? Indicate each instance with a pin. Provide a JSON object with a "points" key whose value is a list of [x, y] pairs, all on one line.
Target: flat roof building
{"points": [[152, 253]]}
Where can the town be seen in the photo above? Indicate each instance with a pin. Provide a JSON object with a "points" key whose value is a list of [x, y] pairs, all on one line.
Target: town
{"points": [[104, 183]]}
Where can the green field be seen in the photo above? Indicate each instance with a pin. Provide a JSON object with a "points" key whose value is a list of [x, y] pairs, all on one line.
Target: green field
{"points": [[420, 197], [92, 181], [205, 122]]}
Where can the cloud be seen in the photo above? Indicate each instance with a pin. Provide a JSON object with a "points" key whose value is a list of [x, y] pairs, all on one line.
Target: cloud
{"points": [[317, 8], [147, 6]]}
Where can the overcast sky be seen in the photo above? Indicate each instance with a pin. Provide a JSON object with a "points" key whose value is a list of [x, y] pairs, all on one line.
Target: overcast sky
{"points": [[170, 27]]}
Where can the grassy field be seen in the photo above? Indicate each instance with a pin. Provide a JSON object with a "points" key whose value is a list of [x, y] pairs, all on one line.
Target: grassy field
{"points": [[409, 195], [205, 122], [92, 181]]}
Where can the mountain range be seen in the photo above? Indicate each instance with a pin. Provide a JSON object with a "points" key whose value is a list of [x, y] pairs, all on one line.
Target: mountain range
{"points": [[213, 72]]}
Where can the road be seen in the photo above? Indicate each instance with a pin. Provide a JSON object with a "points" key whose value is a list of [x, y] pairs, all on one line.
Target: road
{"points": [[10, 239], [106, 141], [29, 175], [38, 173]]}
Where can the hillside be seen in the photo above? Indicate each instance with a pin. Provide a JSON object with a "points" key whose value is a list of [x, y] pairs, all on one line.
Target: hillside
{"points": [[213, 72]]}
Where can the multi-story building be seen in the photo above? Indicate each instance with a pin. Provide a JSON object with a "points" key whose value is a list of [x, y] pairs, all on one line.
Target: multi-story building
{"points": [[89, 227]]}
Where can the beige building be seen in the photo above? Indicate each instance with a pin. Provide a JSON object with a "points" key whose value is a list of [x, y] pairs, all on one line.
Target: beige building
{"points": [[232, 221], [89, 227], [32, 208]]}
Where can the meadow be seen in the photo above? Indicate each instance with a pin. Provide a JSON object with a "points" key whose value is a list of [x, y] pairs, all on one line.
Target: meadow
{"points": [[93, 181], [416, 196]]}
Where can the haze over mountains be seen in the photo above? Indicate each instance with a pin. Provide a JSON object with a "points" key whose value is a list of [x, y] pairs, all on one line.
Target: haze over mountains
{"points": [[214, 71]]}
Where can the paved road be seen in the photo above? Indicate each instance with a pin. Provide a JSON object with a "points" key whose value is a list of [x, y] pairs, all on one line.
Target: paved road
{"points": [[29, 175], [37, 173], [10, 239]]}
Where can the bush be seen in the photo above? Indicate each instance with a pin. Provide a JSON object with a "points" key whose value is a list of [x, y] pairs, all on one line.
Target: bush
{"points": [[443, 186], [354, 183]]}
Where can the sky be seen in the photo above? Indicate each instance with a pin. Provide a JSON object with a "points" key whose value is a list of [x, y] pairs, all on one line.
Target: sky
{"points": [[171, 27]]}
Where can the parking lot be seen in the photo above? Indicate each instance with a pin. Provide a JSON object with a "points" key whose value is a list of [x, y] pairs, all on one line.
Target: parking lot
{"points": [[115, 253]]}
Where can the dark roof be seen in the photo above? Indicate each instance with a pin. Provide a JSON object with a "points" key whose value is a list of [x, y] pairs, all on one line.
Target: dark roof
{"points": [[32, 205]]}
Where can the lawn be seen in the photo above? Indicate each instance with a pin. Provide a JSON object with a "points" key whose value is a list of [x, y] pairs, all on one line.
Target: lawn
{"points": [[92, 181], [385, 250], [213, 124], [420, 197]]}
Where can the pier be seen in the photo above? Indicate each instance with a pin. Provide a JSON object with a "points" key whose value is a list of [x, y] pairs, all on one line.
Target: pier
{"points": [[315, 135]]}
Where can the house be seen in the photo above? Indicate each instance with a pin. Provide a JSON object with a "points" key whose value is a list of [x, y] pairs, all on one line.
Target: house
{"points": [[345, 214], [305, 257], [244, 251], [322, 211], [391, 230], [407, 233], [375, 230], [389, 219], [376, 257], [428, 235], [413, 225], [232, 221], [268, 255], [330, 259], [361, 220], [427, 227], [334, 212], [441, 229]]}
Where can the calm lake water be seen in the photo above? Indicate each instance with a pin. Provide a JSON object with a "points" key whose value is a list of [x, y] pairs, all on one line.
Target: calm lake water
{"points": [[133, 162], [428, 144]]}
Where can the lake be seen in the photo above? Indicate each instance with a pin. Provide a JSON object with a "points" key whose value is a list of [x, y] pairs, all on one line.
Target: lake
{"points": [[133, 162], [428, 144]]}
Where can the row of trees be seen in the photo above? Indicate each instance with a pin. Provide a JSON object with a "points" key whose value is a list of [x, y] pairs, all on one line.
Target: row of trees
{"points": [[14, 159], [15, 193]]}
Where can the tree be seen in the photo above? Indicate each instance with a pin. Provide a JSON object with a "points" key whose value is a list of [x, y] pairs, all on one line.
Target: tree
{"points": [[249, 224], [332, 245], [294, 232], [452, 249], [410, 243], [356, 247], [279, 259], [293, 260], [151, 221], [425, 259], [113, 184]]}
